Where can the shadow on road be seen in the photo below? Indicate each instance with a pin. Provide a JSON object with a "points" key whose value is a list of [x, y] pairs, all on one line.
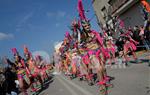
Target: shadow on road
{"points": [[148, 90], [46, 85], [140, 61]]}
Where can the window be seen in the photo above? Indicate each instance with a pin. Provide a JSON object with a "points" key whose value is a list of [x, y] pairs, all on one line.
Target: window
{"points": [[104, 12]]}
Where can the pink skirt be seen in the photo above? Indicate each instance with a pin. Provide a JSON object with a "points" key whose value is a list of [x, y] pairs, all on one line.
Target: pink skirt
{"points": [[129, 46], [86, 59]]}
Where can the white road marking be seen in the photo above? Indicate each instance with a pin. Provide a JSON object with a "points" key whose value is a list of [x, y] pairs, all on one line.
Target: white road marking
{"points": [[67, 86], [85, 92]]}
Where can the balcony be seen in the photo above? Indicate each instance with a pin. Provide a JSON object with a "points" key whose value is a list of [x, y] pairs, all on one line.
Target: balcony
{"points": [[116, 4]]}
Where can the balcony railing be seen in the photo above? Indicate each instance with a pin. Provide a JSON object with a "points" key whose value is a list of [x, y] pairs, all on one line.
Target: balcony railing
{"points": [[116, 4]]}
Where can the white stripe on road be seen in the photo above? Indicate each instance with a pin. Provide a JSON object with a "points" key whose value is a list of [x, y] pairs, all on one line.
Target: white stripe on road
{"points": [[85, 92], [67, 86]]}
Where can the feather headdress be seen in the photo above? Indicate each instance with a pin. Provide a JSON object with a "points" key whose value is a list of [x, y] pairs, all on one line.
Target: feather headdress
{"points": [[81, 10]]}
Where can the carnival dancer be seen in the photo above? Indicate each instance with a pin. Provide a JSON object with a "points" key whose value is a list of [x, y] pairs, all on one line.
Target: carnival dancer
{"points": [[66, 54], [93, 38], [95, 44], [36, 81], [22, 71], [84, 40], [70, 64], [74, 64], [63, 57], [77, 43], [41, 64], [110, 47], [129, 46]]}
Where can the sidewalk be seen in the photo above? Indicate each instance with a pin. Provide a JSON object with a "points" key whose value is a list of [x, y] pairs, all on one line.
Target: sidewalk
{"points": [[141, 53], [134, 79]]}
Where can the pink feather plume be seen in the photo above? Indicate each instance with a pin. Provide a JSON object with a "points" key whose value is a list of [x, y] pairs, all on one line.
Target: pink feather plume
{"points": [[81, 10], [14, 50]]}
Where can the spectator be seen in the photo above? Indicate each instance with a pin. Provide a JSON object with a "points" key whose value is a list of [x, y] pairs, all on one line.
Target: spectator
{"points": [[136, 32]]}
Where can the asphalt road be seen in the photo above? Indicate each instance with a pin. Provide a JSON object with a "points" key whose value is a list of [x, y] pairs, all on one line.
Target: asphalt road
{"points": [[131, 80]]}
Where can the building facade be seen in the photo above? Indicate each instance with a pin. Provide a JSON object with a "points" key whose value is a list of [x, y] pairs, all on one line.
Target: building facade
{"points": [[128, 11]]}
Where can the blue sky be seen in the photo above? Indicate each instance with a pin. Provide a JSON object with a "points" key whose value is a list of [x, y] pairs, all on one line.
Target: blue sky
{"points": [[38, 24]]}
